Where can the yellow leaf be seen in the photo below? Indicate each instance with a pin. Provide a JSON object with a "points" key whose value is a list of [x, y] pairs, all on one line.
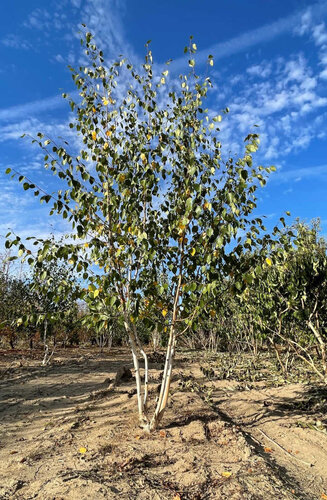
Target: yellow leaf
{"points": [[108, 133], [93, 109], [212, 313], [193, 251], [219, 118], [82, 450], [164, 312], [71, 261], [122, 177], [149, 136], [94, 135], [86, 245], [143, 158], [211, 62], [268, 261], [105, 101], [226, 474], [96, 293], [177, 497], [106, 145]]}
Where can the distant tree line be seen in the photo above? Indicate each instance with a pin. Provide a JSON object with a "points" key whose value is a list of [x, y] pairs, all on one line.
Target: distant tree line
{"points": [[281, 306]]}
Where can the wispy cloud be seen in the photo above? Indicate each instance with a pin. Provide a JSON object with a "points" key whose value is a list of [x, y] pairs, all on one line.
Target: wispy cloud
{"points": [[298, 174], [15, 42], [255, 37], [33, 108], [288, 104], [105, 19], [43, 20]]}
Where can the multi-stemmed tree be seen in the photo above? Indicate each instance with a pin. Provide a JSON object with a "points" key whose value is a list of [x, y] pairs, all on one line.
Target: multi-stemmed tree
{"points": [[149, 195]]}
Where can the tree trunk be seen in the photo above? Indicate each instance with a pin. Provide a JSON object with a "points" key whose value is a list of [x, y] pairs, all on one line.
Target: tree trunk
{"points": [[133, 344], [322, 347], [46, 347]]}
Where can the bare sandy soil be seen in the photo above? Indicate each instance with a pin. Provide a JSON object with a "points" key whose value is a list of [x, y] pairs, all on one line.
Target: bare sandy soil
{"points": [[66, 433]]}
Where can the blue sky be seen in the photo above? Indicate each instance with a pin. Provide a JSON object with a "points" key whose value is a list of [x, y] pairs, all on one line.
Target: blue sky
{"points": [[270, 69]]}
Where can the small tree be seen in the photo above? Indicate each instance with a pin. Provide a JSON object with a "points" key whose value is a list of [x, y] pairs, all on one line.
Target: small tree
{"points": [[53, 292], [15, 300], [291, 298], [149, 195]]}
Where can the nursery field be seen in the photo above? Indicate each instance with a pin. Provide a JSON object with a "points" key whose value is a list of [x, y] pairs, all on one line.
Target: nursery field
{"points": [[233, 429]]}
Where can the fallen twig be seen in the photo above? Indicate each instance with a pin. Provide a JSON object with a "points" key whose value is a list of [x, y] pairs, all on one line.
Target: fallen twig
{"points": [[283, 449]]}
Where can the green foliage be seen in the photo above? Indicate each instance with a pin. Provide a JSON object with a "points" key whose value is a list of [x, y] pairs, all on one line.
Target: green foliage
{"points": [[149, 193]]}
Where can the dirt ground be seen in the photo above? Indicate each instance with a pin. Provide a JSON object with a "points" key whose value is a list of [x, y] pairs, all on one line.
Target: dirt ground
{"points": [[67, 433]]}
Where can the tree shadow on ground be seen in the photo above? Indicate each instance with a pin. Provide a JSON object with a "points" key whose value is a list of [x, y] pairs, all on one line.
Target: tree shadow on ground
{"points": [[57, 387], [281, 472]]}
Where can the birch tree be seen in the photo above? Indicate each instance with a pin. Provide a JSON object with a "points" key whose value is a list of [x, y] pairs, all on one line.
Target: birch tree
{"points": [[149, 194]]}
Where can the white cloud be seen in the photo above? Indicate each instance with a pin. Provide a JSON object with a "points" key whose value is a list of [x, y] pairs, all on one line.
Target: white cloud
{"points": [[298, 174], [262, 70], [311, 24], [104, 19], [319, 34], [59, 58], [33, 108], [258, 36], [15, 42], [38, 19], [288, 105], [41, 19]]}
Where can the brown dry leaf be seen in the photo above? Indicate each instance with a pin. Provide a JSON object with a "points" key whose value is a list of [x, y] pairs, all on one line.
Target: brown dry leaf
{"points": [[13, 452], [163, 434], [82, 450], [323, 496], [138, 437], [226, 474], [268, 450]]}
